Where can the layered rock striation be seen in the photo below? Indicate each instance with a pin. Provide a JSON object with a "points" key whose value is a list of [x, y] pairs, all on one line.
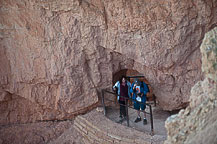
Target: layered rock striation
{"points": [[56, 56]]}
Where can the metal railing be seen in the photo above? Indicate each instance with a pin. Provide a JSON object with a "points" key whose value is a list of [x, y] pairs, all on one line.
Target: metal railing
{"points": [[127, 106]]}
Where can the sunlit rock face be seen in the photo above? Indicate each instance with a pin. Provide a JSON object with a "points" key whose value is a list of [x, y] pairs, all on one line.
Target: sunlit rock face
{"points": [[198, 122], [56, 56]]}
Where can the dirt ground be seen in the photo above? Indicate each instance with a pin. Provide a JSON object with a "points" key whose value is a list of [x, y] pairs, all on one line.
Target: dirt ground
{"points": [[159, 118]]}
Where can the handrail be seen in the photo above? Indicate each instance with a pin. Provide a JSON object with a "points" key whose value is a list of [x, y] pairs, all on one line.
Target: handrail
{"points": [[124, 97], [135, 76], [126, 104]]}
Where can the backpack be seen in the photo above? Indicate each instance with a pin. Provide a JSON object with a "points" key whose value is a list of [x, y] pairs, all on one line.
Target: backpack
{"points": [[142, 85]]}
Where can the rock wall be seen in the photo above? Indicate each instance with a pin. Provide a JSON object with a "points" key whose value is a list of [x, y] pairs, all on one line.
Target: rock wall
{"points": [[198, 122], [34, 133], [55, 56]]}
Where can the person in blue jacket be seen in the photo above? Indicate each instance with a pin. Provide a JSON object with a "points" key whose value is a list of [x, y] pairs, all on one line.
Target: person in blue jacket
{"points": [[139, 90], [123, 90]]}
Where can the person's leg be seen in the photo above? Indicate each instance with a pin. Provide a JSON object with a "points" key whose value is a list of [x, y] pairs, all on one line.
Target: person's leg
{"points": [[124, 109], [144, 114], [121, 109], [143, 106], [137, 107], [138, 113]]}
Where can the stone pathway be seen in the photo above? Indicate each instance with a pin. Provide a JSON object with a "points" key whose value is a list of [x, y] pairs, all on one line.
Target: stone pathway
{"points": [[91, 128], [159, 118], [96, 129]]}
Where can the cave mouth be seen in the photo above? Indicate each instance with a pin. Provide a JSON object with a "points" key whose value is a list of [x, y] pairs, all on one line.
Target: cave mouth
{"points": [[127, 72], [131, 72], [159, 115]]}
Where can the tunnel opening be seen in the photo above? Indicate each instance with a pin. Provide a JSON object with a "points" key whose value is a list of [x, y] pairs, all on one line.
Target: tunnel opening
{"points": [[131, 72], [159, 115], [127, 72]]}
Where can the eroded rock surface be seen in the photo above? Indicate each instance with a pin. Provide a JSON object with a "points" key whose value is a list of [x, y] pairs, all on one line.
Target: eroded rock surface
{"points": [[197, 124], [33, 133], [55, 56]]}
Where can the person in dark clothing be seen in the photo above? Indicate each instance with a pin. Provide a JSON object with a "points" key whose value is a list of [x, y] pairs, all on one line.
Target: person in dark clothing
{"points": [[123, 87]]}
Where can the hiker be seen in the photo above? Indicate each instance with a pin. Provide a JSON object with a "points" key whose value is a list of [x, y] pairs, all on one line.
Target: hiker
{"points": [[139, 90], [123, 90]]}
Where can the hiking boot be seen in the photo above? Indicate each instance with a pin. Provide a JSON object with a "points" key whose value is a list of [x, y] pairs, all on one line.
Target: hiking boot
{"points": [[145, 121], [121, 119], [138, 119]]}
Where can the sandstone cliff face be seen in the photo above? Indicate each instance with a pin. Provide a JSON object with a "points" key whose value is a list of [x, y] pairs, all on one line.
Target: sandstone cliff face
{"points": [[55, 56], [35, 133], [198, 122]]}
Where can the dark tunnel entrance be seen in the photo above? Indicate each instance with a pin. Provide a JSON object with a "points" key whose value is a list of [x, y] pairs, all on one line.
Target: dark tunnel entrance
{"points": [[130, 72], [113, 107], [126, 72]]}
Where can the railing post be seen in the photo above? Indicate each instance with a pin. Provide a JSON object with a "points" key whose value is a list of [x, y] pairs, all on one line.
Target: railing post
{"points": [[155, 103], [103, 102], [127, 116], [151, 118]]}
